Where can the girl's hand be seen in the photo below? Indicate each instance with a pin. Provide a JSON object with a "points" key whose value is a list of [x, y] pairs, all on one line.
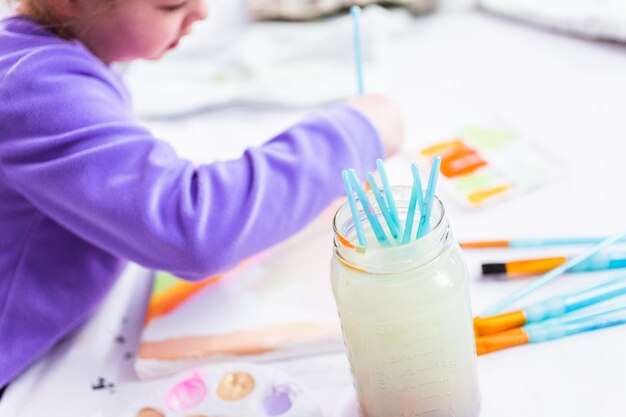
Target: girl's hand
{"points": [[386, 117]]}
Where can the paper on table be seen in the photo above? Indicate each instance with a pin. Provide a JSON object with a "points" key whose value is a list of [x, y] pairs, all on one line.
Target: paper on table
{"points": [[269, 308]]}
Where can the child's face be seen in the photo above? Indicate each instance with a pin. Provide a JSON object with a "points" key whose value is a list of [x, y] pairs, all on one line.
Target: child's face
{"points": [[132, 29]]}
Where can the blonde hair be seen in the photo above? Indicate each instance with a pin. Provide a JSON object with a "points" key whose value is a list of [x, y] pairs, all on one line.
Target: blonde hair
{"points": [[43, 13]]}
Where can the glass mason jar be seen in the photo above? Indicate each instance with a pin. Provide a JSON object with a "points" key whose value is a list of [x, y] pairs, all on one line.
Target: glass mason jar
{"points": [[406, 319]]}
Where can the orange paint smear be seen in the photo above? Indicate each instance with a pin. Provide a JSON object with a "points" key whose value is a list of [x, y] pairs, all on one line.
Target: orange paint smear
{"points": [[463, 162], [348, 244], [347, 265], [444, 149], [163, 303], [345, 241], [248, 342], [478, 197], [485, 244], [166, 301]]}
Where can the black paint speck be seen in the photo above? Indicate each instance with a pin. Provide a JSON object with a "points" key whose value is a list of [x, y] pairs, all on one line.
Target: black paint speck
{"points": [[102, 384]]}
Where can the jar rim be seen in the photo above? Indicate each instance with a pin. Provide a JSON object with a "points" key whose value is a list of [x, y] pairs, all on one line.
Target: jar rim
{"points": [[350, 244], [427, 244]]}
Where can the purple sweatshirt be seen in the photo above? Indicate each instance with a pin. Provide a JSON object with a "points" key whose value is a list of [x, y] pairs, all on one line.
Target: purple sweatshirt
{"points": [[84, 188]]}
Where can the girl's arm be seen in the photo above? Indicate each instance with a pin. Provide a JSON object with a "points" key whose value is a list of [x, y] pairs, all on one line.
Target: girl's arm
{"points": [[69, 145]]}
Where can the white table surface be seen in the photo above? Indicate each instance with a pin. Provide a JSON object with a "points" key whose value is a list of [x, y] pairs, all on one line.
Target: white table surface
{"points": [[453, 69]]}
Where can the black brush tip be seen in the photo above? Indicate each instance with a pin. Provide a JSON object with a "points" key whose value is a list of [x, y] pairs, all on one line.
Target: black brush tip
{"points": [[493, 269]]}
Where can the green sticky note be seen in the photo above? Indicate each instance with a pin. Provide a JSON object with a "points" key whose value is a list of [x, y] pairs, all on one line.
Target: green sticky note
{"points": [[484, 138], [476, 182]]}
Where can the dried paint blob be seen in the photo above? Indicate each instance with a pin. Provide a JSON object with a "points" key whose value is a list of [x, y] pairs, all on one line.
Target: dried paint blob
{"points": [[186, 394], [278, 400], [149, 412], [235, 386]]}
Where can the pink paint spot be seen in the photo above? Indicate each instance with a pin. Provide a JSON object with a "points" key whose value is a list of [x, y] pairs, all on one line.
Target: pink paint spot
{"points": [[186, 394]]}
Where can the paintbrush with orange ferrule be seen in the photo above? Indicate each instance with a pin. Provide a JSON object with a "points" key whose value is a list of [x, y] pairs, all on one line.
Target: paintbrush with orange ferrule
{"points": [[534, 243], [551, 275], [551, 307], [524, 267], [552, 329]]}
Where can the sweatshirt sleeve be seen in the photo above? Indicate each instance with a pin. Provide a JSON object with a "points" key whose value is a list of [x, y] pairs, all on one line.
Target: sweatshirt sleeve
{"points": [[70, 146]]}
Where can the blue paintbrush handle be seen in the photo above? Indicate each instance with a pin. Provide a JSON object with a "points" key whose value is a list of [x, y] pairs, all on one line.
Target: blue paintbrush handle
{"points": [[417, 200], [424, 225], [544, 332], [601, 262], [368, 209], [388, 194], [354, 210], [563, 304], [355, 12], [393, 229], [549, 276], [540, 243]]}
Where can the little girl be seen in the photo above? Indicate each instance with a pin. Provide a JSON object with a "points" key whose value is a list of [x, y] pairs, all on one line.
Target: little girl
{"points": [[84, 188]]}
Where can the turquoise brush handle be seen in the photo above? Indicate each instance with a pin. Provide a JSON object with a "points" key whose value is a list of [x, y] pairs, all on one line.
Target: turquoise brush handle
{"points": [[550, 276], [595, 295], [368, 209], [559, 305], [544, 332], [393, 229], [424, 225], [617, 263], [595, 324], [601, 262], [389, 194], [354, 210], [355, 12], [583, 315], [417, 199], [540, 243]]}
